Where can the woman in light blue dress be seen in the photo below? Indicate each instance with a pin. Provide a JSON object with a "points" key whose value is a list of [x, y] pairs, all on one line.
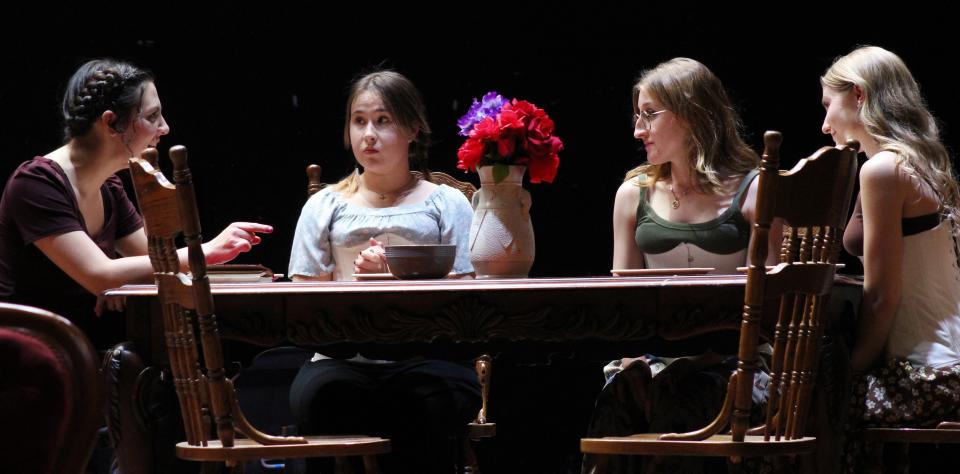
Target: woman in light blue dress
{"points": [[421, 405]]}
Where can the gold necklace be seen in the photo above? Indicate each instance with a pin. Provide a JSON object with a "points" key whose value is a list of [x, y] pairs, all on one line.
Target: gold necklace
{"points": [[676, 199], [400, 192]]}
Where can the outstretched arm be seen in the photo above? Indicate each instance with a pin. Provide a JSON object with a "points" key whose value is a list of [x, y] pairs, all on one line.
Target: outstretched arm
{"points": [[80, 258]]}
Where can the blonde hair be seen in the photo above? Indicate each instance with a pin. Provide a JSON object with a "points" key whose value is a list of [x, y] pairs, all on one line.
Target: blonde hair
{"points": [[695, 95], [896, 116], [405, 104]]}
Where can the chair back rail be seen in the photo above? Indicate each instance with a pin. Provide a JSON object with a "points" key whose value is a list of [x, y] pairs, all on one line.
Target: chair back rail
{"points": [[208, 401], [437, 177], [204, 392], [812, 200]]}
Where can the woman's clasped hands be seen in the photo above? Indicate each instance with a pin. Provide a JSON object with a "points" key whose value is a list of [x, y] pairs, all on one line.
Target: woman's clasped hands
{"points": [[371, 260]]}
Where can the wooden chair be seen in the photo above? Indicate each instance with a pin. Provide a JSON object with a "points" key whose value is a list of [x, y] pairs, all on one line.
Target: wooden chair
{"points": [[813, 199], [51, 393], [946, 432], [207, 398], [480, 427], [465, 187]]}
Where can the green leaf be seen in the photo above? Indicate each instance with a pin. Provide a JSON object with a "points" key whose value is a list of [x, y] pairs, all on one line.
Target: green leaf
{"points": [[500, 172]]}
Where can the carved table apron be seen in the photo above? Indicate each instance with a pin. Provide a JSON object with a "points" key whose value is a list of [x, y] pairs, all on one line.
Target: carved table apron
{"points": [[593, 313]]}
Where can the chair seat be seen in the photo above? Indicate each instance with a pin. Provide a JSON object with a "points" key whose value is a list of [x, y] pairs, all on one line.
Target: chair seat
{"points": [[481, 430], [912, 435], [316, 446], [717, 445]]}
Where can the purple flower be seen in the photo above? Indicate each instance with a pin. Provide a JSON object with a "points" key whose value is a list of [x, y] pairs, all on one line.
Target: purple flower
{"points": [[489, 107]]}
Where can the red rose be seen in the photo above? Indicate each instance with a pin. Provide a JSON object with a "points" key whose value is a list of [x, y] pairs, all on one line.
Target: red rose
{"points": [[544, 168], [509, 122], [487, 129], [470, 153], [542, 125], [506, 146], [540, 139], [523, 108]]}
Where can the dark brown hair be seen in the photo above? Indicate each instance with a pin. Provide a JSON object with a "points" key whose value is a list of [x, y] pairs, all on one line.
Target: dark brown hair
{"points": [[100, 85]]}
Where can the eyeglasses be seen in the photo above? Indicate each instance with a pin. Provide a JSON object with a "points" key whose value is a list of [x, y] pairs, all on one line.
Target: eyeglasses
{"points": [[646, 118]]}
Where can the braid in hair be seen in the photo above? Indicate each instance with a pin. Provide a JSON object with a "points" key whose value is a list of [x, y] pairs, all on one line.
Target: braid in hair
{"points": [[98, 86]]}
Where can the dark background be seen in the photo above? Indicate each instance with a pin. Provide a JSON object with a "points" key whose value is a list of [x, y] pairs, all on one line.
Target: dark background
{"points": [[257, 91]]}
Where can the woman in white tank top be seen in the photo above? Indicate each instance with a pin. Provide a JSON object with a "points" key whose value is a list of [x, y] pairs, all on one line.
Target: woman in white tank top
{"points": [[906, 357]]}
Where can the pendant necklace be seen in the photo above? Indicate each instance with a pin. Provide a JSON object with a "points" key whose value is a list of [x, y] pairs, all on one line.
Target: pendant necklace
{"points": [[676, 199], [406, 187]]}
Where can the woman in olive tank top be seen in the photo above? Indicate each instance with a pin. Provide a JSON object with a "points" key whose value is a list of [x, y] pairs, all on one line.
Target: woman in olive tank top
{"points": [[696, 190], [690, 205]]}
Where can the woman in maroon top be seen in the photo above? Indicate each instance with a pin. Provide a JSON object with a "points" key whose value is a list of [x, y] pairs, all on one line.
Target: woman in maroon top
{"points": [[67, 229]]}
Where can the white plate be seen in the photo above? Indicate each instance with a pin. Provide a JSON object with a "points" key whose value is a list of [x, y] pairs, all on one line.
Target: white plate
{"points": [[629, 272], [374, 276], [771, 267]]}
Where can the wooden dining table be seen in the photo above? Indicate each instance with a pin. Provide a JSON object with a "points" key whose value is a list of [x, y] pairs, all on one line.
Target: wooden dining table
{"points": [[593, 317], [664, 314]]}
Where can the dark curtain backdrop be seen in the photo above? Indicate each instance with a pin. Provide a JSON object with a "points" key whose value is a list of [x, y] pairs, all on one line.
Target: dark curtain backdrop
{"points": [[256, 91]]}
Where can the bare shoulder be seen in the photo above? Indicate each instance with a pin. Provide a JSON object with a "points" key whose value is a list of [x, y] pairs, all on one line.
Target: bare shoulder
{"points": [[627, 200], [882, 169], [629, 189], [884, 186], [628, 194]]}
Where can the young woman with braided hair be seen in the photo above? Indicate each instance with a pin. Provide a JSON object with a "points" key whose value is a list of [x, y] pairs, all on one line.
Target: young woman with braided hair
{"points": [[68, 231]]}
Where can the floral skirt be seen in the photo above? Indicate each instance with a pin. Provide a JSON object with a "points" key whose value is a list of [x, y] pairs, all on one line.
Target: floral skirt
{"points": [[899, 395]]}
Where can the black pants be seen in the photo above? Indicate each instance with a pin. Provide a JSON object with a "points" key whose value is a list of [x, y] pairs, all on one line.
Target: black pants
{"points": [[421, 405]]}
